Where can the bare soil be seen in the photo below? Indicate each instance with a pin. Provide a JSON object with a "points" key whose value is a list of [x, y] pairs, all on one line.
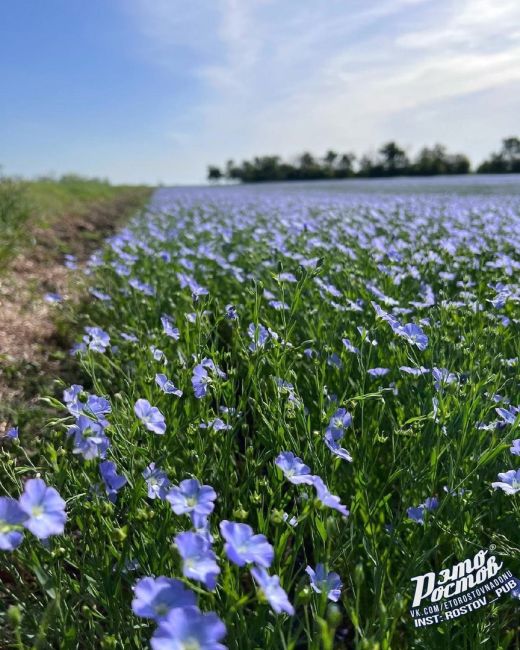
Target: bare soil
{"points": [[31, 347]]}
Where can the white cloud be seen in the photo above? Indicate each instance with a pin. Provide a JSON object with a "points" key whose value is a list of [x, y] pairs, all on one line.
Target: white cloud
{"points": [[282, 77]]}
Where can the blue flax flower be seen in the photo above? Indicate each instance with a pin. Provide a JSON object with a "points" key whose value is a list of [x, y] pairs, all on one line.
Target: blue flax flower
{"points": [[217, 425], [335, 431], [327, 498], [274, 593], [187, 628], [90, 440], [199, 561], [414, 335], [192, 497], [12, 517], [509, 482], [44, 507], [169, 329], [155, 597], [200, 380], [417, 513], [294, 468], [12, 433], [323, 582], [150, 416], [417, 372], [244, 547], [378, 372], [258, 335], [166, 385], [349, 346], [112, 480], [97, 339], [508, 415], [156, 481], [443, 377]]}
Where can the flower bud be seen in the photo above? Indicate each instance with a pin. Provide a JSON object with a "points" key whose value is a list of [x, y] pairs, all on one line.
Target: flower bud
{"points": [[304, 595], [14, 615], [334, 615], [119, 534]]}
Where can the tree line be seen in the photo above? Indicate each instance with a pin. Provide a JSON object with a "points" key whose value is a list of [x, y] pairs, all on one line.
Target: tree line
{"points": [[390, 160]]}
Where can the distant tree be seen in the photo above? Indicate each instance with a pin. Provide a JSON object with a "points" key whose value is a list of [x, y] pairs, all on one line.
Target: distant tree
{"points": [[430, 162], [345, 165], [330, 158], [390, 160], [506, 161], [232, 171], [369, 167], [214, 173], [394, 159]]}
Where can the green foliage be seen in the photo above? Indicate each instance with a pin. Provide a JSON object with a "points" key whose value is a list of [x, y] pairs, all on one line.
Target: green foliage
{"points": [[14, 212], [76, 591], [506, 161]]}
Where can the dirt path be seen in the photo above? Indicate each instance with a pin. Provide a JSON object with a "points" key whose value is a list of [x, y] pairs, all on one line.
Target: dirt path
{"points": [[31, 347]]}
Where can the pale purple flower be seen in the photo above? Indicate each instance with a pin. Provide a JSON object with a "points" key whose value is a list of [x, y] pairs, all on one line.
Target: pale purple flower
{"points": [[188, 629], [44, 507], [327, 498], [132, 338], [417, 513], [98, 340], [169, 329], [156, 481], [294, 468], [112, 480], [331, 440], [53, 297], [259, 336], [274, 593], [143, 287], [515, 447], [100, 295], [12, 433], [209, 364], [90, 440], [285, 276], [155, 597], [417, 372], [378, 372], [414, 335], [200, 380], [509, 481], [508, 415], [199, 560], [244, 547], [166, 385], [350, 347], [279, 305], [192, 497], [335, 432], [158, 354], [340, 421], [442, 377], [12, 519], [231, 312], [323, 582], [217, 425], [150, 416]]}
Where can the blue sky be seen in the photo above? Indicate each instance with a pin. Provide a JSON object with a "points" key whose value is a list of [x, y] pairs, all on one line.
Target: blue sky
{"points": [[154, 90]]}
